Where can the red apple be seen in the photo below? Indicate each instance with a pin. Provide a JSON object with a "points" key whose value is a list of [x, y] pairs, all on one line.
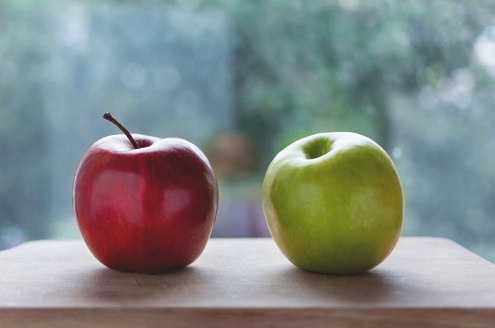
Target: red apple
{"points": [[145, 204]]}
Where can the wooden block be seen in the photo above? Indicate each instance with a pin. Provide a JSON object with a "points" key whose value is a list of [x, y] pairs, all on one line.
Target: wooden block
{"points": [[426, 282]]}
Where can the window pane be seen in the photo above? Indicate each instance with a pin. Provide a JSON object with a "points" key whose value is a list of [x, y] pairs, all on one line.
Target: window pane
{"points": [[242, 79]]}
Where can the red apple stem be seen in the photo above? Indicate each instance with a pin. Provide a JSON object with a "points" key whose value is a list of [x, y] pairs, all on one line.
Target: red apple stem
{"points": [[109, 117]]}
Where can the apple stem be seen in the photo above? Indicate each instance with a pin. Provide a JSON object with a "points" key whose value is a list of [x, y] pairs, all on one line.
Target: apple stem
{"points": [[109, 117]]}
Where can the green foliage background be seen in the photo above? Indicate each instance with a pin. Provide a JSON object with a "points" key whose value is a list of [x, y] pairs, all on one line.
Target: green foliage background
{"points": [[298, 67]]}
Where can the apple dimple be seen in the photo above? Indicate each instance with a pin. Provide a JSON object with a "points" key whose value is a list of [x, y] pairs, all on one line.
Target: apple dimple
{"points": [[317, 147], [143, 143]]}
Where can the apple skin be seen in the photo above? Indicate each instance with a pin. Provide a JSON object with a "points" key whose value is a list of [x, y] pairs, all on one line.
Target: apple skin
{"points": [[146, 210], [333, 203]]}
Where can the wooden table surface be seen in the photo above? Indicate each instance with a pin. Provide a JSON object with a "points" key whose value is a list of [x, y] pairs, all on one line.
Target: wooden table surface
{"points": [[426, 282]]}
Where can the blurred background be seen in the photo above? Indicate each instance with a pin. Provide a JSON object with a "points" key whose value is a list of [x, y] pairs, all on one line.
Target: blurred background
{"points": [[243, 79]]}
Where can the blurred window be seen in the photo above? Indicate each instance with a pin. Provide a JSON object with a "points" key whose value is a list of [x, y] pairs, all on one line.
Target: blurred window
{"points": [[243, 79]]}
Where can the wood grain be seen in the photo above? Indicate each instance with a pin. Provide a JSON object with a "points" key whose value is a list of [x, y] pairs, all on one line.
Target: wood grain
{"points": [[426, 282]]}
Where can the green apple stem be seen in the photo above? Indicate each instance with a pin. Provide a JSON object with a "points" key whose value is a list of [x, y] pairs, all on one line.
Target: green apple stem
{"points": [[109, 117]]}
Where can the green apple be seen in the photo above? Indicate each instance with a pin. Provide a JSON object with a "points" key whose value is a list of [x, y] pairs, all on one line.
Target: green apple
{"points": [[333, 203]]}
